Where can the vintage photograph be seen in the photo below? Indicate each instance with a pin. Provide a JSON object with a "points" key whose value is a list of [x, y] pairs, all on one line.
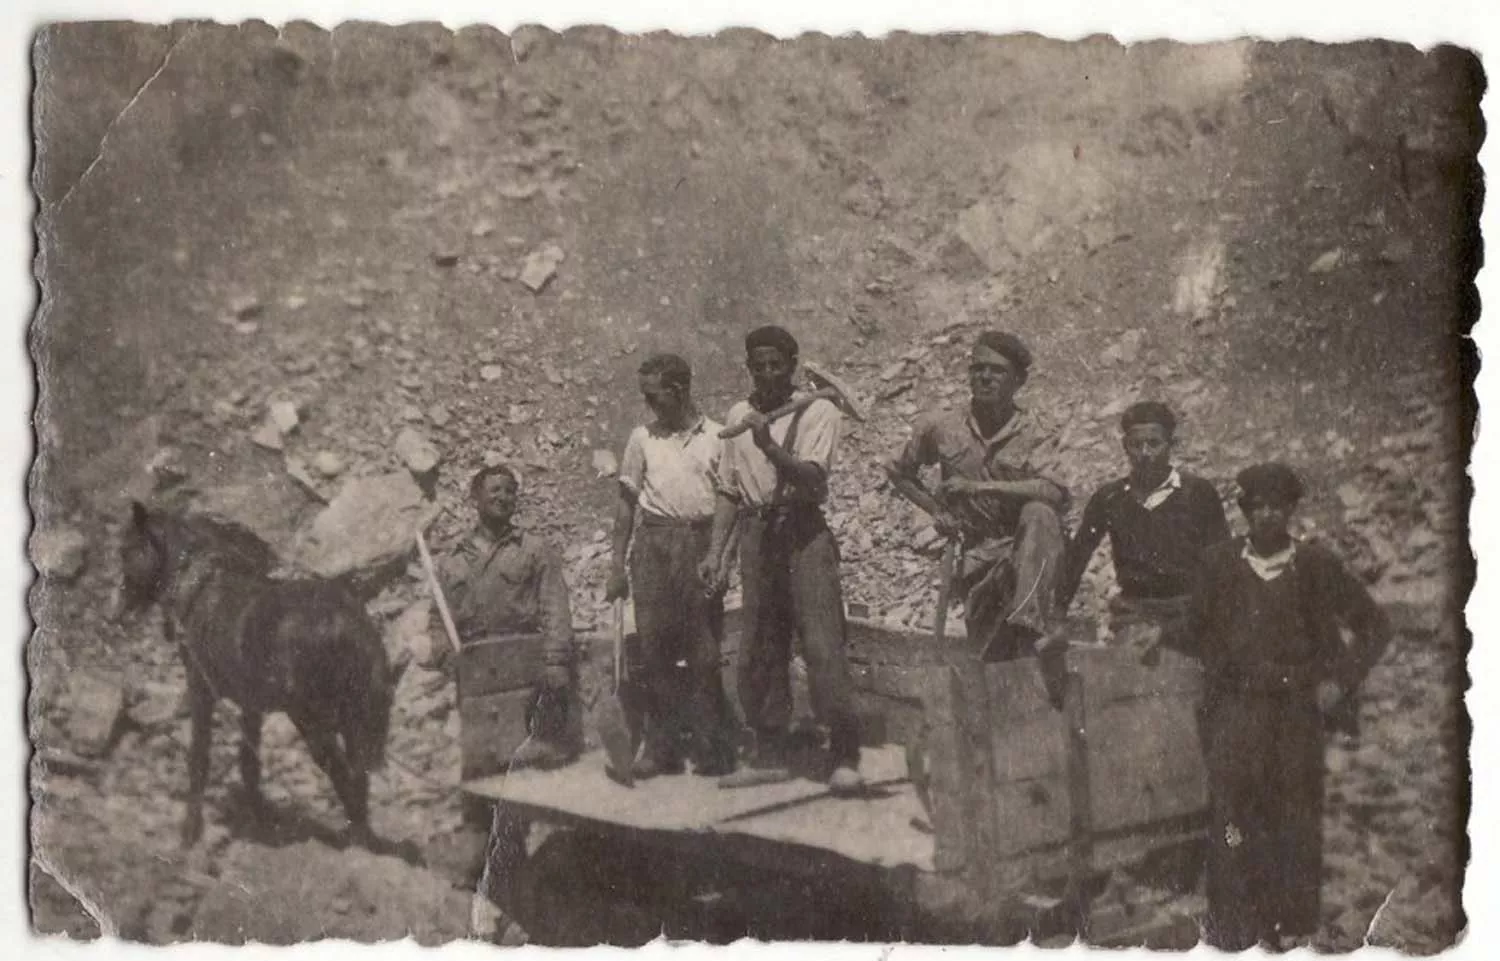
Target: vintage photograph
{"points": [[576, 488]]}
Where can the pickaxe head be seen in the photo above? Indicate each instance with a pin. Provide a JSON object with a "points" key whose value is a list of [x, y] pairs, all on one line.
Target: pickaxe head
{"points": [[827, 383]]}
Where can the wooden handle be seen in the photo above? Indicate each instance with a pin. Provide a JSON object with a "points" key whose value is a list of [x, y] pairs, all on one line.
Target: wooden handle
{"points": [[437, 593], [619, 640], [945, 589], [789, 408]]}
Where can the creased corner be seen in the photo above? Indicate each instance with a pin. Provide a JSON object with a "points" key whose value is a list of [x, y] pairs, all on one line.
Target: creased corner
{"points": [[103, 140]]}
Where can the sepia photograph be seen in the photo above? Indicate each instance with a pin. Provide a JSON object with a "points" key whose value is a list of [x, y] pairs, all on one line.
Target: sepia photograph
{"points": [[577, 487]]}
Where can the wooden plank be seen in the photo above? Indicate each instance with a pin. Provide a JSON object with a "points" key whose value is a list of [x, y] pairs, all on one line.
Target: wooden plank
{"points": [[1112, 674], [491, 727], [971, 696], [1147, 752], [941, 747], [874, 830], [489, 665], [1030, 747], [889, 680], [1080, 796], [1029, 814], [871, 642], [1017, 693]]}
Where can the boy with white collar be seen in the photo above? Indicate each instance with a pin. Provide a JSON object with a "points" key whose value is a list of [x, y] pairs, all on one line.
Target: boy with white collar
{"points": [[1159, 520], [1267, 614]]}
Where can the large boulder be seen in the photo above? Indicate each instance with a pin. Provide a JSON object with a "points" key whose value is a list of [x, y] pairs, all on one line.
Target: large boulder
{"points": [[95, 708], [368, 530], [273, 508], [59, 553]]}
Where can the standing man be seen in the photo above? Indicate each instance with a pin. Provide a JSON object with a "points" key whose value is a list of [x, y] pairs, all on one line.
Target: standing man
{"points": [[999, 493], [1159, 520], [775, 477], [1267, 612], [501, 580], [667, 501]]}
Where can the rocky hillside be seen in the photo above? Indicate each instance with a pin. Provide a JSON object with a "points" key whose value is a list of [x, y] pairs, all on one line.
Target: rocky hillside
{"points": [[279, 264]]}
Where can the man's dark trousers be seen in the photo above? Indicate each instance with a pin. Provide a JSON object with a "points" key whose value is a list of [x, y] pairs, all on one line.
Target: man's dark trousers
{"points": [[789, 563], [677, 623]]}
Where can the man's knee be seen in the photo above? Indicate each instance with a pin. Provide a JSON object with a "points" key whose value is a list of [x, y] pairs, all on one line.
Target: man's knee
{"points": [[1037, 516]]}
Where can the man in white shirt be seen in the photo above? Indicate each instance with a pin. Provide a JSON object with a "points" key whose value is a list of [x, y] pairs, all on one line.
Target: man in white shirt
{"points": [[663, 521], [774, 477]]}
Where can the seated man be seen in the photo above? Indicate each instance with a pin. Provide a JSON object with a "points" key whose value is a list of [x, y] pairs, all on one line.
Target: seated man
{"points": [[999, 494], [1159, 520]]}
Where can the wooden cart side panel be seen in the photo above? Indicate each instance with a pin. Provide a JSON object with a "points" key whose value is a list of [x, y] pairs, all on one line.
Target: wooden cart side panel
{"points": [[491, 727], [490, 665], [1146, 752]]}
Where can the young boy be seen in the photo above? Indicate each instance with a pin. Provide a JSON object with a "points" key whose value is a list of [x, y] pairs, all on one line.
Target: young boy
{"points": [[1159, 520], [1266, 614]]}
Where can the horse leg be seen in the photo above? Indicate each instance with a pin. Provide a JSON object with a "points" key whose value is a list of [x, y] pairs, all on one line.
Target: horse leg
{"points": [[201, 702], [250, 725], [322, 743]]}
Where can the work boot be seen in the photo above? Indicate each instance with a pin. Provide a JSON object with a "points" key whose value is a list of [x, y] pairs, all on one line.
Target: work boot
{"points": [[659, 757], [767, 764], [542, 754], [846, 781], [715, 761]]}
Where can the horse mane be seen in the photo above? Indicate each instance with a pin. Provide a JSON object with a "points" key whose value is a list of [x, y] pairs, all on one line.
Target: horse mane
{"points": [[229, 543]]}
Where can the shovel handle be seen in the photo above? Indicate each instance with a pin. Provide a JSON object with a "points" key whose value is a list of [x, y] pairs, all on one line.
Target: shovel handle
{"points": [[437, 593], [619, 639]]}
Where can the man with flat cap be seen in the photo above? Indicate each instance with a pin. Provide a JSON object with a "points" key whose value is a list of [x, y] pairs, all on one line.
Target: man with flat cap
{"points": [[1267, 614], [1000, 494], [775, 478]]}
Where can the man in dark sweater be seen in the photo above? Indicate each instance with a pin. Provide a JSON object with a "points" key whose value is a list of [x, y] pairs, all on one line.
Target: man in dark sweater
{"points": [[1267, 613], [1159, 519]]}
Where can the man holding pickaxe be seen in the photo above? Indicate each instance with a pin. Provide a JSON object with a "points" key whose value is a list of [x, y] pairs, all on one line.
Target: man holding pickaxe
{"points": [[773, 477], [1000, 495]]}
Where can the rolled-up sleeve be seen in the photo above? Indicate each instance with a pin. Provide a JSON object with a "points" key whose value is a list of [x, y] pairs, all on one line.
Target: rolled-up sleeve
{"points": [[919, 451], [725, 474], [633, 464], [818, 434]]}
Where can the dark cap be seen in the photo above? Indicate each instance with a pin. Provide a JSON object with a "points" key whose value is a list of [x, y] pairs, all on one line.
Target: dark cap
{"points": [[771, 336], [1273, 483], [1007, 345], [1149, 412]]}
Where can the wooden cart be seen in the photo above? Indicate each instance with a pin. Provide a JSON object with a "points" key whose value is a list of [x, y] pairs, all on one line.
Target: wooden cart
{"points": [[1028, 804]]}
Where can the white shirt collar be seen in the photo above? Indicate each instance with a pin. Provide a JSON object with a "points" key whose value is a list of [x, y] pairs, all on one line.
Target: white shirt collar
{"points": [[1164, 490], [1272, 567]]}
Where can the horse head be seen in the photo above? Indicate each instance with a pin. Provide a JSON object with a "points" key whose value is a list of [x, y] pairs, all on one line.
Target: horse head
{"points": [[144, 560]]}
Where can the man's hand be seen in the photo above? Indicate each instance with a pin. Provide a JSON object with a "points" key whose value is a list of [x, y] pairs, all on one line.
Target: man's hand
{"points": [[709, 574], [946, 524], [617, 588], [555, 677], [1330, 695], [760, 428]]}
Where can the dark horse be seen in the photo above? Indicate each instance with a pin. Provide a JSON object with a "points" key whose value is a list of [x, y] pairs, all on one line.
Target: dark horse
{"points": [[306, 647]]}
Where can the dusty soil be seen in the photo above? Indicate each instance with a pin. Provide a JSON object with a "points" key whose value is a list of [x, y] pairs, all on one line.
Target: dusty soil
{"points": [[1271, 238]]}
